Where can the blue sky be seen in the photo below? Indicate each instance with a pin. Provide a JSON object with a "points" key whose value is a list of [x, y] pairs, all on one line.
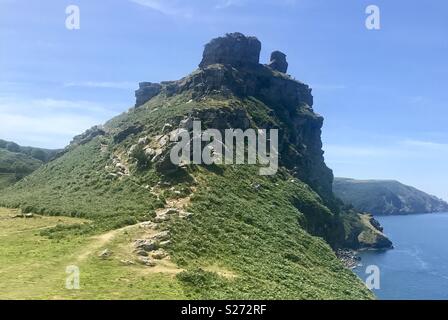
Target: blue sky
{"points": [[383, 93]]}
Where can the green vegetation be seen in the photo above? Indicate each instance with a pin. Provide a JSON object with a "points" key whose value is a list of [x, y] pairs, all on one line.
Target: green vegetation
{"points": [[249, 237], [385, 197], [249, 226], [17, 162], [77, 185], [34, 267], [40, 154]]}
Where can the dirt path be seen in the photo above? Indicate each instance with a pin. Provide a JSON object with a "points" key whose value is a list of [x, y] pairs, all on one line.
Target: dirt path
{"points": [[100, 241]]}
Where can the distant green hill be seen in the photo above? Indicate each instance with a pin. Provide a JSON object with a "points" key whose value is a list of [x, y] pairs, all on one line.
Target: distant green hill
{"points": [[17, 162], [386, 197]]}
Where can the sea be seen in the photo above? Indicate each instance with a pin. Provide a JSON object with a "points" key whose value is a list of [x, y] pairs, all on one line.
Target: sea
{"points": [[417, 267]]}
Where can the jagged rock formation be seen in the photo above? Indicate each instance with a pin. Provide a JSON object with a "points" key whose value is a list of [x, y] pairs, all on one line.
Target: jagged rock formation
{"points": [[234, 49], [278, 61], [146, 91], [243, 76]]}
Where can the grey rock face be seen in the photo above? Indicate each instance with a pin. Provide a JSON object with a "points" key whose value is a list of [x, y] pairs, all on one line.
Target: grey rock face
{"points": [[234, 49], [88, 136], [145, 245], [146, 91], [278, 61]]}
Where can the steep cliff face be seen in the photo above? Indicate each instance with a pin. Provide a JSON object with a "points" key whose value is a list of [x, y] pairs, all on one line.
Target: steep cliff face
{"points": [[263, 96], [230, 68]]}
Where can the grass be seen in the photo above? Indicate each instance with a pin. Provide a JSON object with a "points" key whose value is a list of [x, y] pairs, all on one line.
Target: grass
{"points": [[77, 185], [259, 238], [34, 267], [242, 242]]}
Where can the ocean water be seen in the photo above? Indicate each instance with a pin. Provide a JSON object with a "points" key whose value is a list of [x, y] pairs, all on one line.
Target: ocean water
{"points": [[418, 266]]}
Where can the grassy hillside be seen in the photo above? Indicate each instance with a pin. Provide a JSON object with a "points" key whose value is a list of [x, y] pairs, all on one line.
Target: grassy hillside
{"points": [[386, 197], [219, 231], [257, 229], [17, 162], [33, 266]]}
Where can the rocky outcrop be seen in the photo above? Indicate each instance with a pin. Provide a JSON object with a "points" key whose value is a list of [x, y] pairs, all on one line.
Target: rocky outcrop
{"points": [[84, 138], [365, 232], [278, 62], [146, 91], [230, 67], [230, 71], [88, 135], [234, 49]]}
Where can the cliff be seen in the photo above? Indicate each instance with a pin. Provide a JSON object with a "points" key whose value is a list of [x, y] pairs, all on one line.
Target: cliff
{"points": [[274, 234], [386, 197]]}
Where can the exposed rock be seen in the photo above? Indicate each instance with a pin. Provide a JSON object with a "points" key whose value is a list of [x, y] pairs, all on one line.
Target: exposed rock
{"points": [[234, 49], [87, 136], [132, 149], [21, 215], [149, 152], [161, 218], [145, 245], [162, 236], [147, 261], [185, 215], [169, 211], [146, 91], [143, 141], [167, 127], [105, 254], [159, 254], [127, 262], [278, 62], [148, 225], [122, 135], [142, 253], [186, 124], [376, 224], [165, 243]]}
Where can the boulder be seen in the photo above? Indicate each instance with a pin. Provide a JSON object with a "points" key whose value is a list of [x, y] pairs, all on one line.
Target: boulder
{"points": [[145, 245], [234, 49], [147, 261], [142, 253], [87, 136], [162, 236], [159, 254], [127, 262]]}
